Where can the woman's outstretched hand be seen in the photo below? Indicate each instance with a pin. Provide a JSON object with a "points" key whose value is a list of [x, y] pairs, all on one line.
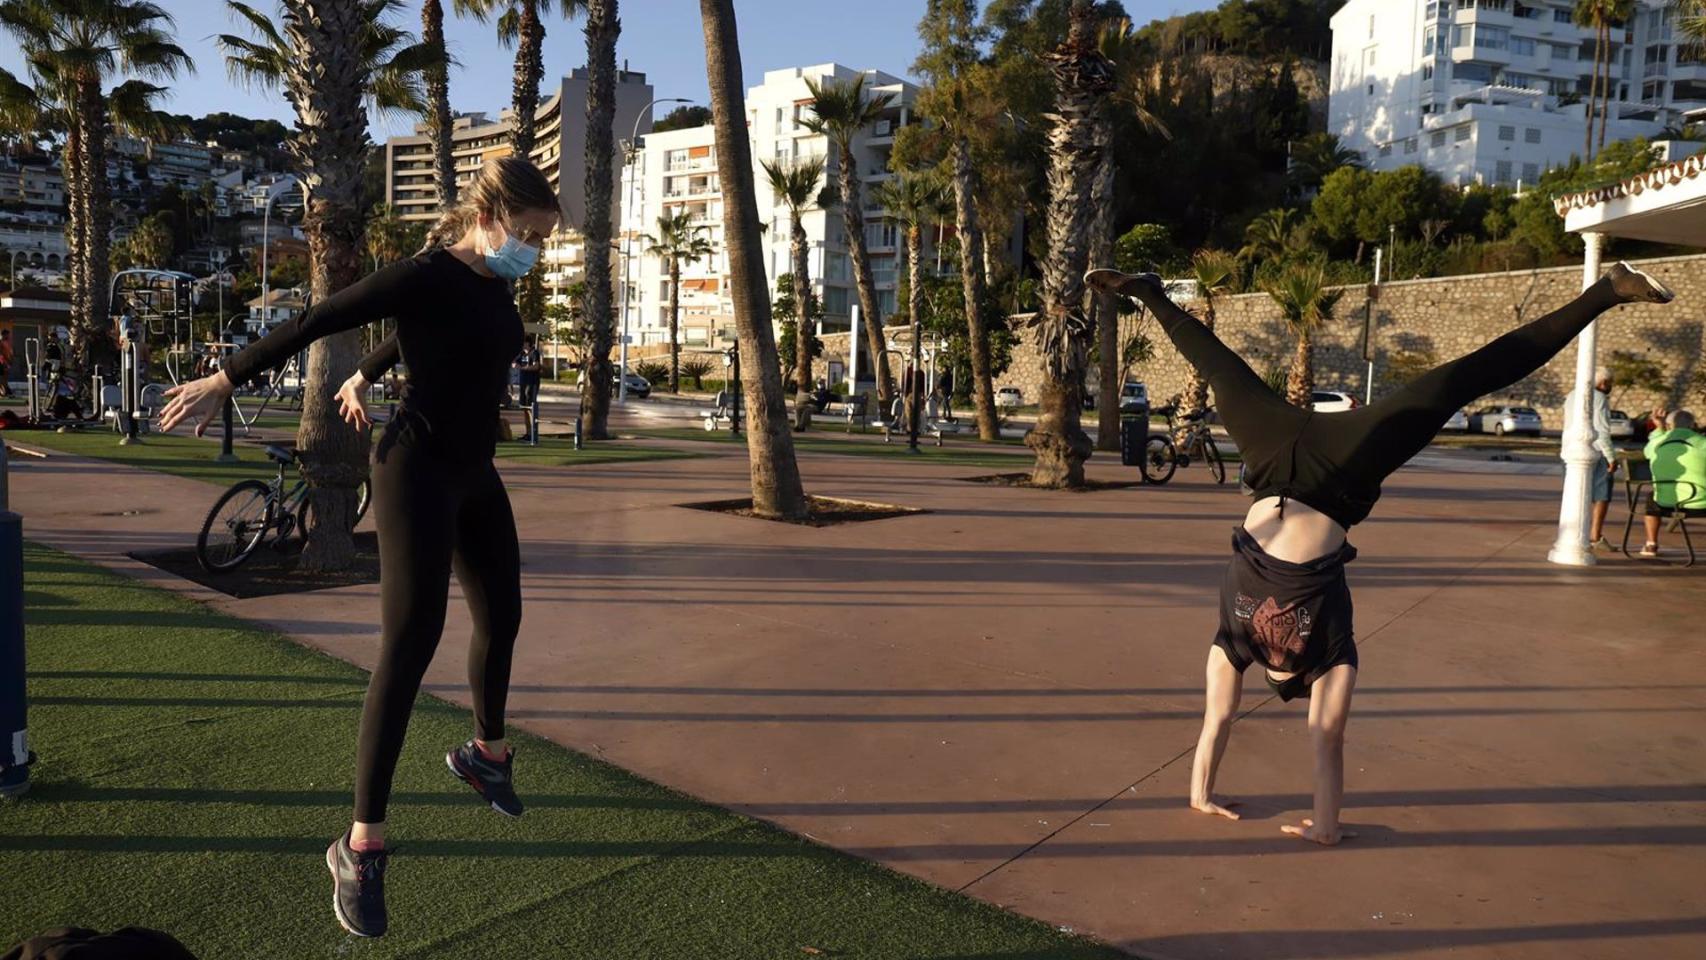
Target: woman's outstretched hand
{"points": [[351, 403], [197, 400]]}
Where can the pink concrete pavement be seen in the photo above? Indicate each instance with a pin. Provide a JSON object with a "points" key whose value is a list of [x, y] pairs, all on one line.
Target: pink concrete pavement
{"points": [[1000, 696]]}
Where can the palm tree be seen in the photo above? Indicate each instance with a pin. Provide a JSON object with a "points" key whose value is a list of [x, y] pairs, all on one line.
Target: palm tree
{"points": [[1119, 43], [1215, 272], [437, 76], [678, 241], [70, 49], [798, 187], [602, 28], [1083, 79], [1271, 236], [951, 33], [916, 200], [521, 25], [1691, 20], [776, 488], [841, 111], [1315, 156], [1307, 305], [1601, 15], [331, 60]]}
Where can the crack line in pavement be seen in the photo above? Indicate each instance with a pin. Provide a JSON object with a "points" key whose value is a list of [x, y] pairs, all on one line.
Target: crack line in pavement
{"points": [[1271, 698]]}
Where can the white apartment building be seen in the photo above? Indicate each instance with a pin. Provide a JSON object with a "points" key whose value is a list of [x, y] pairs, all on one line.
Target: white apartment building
{"points": [[559, 146], [678, 169], [1495, 91]]}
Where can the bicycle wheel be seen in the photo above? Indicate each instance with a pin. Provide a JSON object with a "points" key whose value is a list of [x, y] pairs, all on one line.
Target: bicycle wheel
{"points": [[236, 525], [1211, 456], [1159, 459]]}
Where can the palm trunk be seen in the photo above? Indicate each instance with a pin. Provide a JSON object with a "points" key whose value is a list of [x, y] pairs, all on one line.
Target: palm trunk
{"points": [[530, 69], [438, 98], [1605, 93], [602, 29], [803, 327], [1300, 381], [853, 220], [326, 84], [972, 280], [776, 488], [674, 320], [1104, 309], [1083, 79], [76, 227], [1196, 388], [1593, 99], [97, 213], [915, 307]]}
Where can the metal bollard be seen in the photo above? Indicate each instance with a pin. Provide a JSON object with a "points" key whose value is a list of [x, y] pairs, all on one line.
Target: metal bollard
{"points": [[226, 455], [15, 755], [533, 422]]}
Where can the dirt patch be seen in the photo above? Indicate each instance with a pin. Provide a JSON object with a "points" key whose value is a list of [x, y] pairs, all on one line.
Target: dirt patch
{"points": [[825, 511], [269, 572], [1024, 480]]}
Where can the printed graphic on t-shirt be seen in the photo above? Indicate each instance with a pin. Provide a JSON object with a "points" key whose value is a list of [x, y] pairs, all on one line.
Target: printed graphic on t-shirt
{"points": [[1281, 631]]}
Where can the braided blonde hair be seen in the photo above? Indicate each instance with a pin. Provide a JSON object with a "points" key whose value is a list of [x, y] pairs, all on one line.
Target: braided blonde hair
{"points": [[504, 187]]}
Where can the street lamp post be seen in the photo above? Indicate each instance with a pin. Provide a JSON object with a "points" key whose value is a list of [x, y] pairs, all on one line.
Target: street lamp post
{"points": [[628, 237]]}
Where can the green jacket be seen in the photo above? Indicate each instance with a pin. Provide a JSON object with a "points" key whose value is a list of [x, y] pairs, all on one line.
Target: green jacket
{"points": [[1678, 455]]}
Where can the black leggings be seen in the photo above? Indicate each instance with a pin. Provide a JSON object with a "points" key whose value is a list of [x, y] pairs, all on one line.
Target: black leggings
{"points": [[435, 515], [1283, 444]]}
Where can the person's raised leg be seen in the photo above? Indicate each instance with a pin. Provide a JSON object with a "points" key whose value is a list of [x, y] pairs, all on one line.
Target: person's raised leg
{"points": [[1329, 711], [488, 565], [1405, 421], [1224, 689]]}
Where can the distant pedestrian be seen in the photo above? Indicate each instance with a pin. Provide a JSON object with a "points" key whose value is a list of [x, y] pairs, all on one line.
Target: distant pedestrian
{"points": [[945, 386], [1605, 464], [1677, 456], [528, 364]]}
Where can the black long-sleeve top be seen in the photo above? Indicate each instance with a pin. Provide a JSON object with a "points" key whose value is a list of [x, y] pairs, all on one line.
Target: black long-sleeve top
{"points": [[457, 330]]}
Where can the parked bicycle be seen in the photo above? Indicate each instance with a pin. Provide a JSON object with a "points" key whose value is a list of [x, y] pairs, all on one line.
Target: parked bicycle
{"points": [[254, 512], [1161, 456]]}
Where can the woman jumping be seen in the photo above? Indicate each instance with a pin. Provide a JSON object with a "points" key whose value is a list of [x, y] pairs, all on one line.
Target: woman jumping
{"points": [[438, 501], [1284, 603]]}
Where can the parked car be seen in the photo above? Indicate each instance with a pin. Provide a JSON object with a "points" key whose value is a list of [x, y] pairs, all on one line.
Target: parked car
{"points": [[1009, 397], [638, 386], [1458, 421], [1621, 426], [1499, 421], [1134, 398], [1333, 401]]}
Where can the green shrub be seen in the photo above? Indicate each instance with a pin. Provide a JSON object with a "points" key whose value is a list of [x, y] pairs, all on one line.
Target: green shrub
{"points": [[654, 372]]}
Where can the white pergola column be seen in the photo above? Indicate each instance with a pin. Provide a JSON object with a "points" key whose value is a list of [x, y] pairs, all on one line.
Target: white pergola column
{"points": [[1578, 453]]}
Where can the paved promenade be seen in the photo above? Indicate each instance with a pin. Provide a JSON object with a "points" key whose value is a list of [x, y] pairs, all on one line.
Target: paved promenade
{"points": [[1001, 696]]}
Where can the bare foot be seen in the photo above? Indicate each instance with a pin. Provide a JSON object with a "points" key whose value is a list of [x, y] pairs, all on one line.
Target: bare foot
{"points": [[1633, 286], [1220, 808], [1314, 834]]}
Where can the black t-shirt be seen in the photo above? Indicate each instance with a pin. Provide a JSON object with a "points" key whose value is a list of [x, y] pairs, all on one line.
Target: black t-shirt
{"points": [[529, 358], [458, 331]]}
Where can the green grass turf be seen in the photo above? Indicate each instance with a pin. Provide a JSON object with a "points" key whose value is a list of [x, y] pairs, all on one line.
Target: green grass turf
{"points": [[193, 769], [961, 454], [562, 453], [177, 453]]}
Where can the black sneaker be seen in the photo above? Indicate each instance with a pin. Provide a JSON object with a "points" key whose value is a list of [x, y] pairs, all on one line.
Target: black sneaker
{"points": [[358, 887], [489, 778]]}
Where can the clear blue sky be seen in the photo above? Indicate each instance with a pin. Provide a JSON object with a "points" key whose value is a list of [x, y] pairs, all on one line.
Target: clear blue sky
{"points": [[661, 38]]}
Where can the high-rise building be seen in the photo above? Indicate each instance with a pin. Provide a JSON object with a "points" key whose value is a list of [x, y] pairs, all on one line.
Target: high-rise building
{"points": [[678, 170], [1496, 91], [559, 146]]}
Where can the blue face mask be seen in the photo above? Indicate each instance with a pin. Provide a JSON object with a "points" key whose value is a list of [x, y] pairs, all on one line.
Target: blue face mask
{"points": [[512, 259]]}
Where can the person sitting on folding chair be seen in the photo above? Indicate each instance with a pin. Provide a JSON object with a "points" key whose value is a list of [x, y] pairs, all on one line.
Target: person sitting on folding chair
{"points": [[1677, 457]]}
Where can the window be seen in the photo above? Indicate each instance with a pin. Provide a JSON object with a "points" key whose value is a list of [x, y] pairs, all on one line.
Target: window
{"points": [[1502, 172], [835, 300], [1507, 134], [1462, 133], [1562, 51], [1410, 146], [1428, 36], [1386, 149], [1427, 71], [1560, 16], [1530, 172], [1437, 139], [1475, 72], [1492, 38], [1371, 89], [1371, 26], [1522, 46], [1531, 135]]}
